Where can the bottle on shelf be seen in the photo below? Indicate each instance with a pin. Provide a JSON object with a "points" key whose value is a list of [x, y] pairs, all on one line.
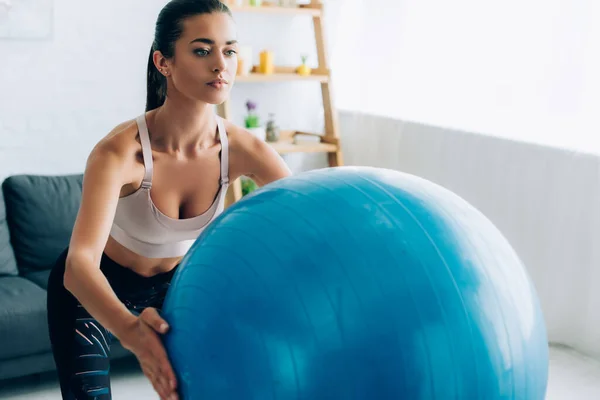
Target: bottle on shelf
{"points": [[287, 3], [272, 134], [266, 62]]}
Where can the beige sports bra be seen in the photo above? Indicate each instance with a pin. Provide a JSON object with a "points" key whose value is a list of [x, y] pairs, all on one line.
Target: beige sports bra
{"points": [[142, 228]]}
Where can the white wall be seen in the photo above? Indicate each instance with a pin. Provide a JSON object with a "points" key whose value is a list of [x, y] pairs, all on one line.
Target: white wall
{"points": [[525, 70], [62, 94]]}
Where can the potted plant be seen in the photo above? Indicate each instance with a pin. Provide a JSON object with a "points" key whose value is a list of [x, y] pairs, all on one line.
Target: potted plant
{"points": [[252, 121], [304, 69], [248, 186]]}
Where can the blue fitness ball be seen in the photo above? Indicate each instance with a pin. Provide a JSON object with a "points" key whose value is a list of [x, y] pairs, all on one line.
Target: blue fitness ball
{"points": [[355, 283]]}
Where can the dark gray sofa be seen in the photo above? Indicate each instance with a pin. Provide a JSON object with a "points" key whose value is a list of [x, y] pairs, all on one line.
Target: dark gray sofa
{"points": [[36, 218]]}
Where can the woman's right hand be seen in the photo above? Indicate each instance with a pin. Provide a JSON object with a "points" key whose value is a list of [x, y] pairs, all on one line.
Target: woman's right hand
{"points": [[142, 339]]}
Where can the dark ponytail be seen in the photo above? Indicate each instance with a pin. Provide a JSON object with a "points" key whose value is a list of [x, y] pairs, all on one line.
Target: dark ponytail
{"points": [[157, 85], [169, 27]]}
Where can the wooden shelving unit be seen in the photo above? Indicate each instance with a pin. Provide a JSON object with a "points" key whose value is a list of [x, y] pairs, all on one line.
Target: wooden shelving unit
{"points": [[294, 141]]}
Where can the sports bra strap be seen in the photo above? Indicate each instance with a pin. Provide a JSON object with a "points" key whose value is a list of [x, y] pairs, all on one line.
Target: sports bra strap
{"points": [[146, 151], [224, 152]]}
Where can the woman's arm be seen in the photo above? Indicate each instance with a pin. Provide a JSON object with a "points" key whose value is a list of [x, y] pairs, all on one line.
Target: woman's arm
{"points": [[105, 175], [102, 182], [256, 159]]}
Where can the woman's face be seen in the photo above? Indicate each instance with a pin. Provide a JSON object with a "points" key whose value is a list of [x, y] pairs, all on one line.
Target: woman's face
{"points": [[205, 61]]}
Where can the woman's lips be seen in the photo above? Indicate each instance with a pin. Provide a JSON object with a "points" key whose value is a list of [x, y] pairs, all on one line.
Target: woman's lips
{"points": [[218, 83]]}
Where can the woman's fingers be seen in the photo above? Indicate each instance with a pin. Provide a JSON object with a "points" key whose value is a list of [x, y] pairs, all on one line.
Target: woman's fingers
{"points": [[151, 317], [159, 384], [151, 368], [161, 366], [164, 366], [163, 376], [162, 384], [151, 375], [169, 389], [168, 374]]}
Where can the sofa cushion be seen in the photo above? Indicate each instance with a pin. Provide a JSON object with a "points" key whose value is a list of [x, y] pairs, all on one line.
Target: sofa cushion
{"points": [[8, 264], [40, 278], [41, 211], [23, 320]]}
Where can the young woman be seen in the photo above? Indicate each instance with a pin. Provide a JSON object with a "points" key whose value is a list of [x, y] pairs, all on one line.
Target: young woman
{"points": [[151, 186]]}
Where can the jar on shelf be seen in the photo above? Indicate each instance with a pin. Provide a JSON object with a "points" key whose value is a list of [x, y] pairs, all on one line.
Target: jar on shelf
{"points": [[245, 64], [272, 134], [266, 62], [288, 3]]}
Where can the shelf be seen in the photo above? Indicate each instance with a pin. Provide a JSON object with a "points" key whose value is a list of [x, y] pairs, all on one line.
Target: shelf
{"points": [[280, 77], [315, 12], [284, 147], [312, 143], [283, 74]]}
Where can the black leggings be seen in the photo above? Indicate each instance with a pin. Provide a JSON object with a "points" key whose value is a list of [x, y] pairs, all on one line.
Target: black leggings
{"points": [[81, 346]]}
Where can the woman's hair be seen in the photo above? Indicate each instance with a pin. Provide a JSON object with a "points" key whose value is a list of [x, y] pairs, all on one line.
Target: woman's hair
{"points": [[169, 27]]}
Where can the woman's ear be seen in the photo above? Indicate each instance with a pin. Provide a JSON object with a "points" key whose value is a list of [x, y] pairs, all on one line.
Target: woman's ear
{"points": [[161, 63]]}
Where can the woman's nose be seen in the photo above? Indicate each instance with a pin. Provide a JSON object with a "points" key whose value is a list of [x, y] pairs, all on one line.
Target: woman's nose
{"points": [[220, 64]]}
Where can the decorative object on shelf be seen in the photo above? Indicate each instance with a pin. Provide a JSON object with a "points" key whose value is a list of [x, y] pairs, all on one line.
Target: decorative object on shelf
{"points": [[256, 3], [304, 69], [304, 138], [241, 67], [266, 65], [252, 121], [244, 61], [272, 134], [288, 3], [248, 185]]}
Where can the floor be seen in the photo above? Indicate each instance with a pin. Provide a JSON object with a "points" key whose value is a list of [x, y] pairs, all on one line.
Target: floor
{"points": [[571, 377]]}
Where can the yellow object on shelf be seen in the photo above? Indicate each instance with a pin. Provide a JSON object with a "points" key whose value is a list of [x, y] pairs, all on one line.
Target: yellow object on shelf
{"points": [[304, 70], [241, 67], [266, 65]]}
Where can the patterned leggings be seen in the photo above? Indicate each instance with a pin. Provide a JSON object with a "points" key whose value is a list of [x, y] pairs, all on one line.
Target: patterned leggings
{"points": [[81, 346]]}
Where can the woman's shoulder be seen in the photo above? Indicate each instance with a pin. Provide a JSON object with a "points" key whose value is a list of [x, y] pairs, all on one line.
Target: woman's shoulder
{"points": [[252, 156], [120, 146], [118, 154], [120, 140], [241, 139]]}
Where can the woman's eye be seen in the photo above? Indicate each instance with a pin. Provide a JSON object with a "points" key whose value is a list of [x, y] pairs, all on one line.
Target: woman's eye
{"points": [[230, 52], [201, 52]]}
